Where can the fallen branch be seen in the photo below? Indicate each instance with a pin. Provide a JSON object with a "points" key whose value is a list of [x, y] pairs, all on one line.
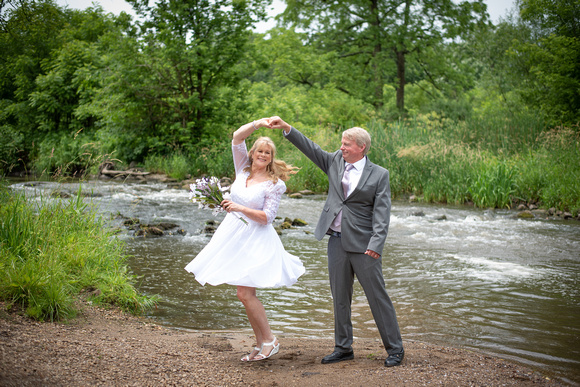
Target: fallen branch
{"points": [[122, 173]]}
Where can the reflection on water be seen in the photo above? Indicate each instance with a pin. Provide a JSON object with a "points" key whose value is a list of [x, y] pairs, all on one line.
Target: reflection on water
{"points": [[478, 279]]}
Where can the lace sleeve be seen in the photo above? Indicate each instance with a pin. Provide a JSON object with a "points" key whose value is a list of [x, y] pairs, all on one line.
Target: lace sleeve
{"points": [[241, 159], [272, 201]]}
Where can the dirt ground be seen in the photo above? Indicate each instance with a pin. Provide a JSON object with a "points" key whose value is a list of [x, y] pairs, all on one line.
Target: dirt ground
{"points": [[105, 347]]}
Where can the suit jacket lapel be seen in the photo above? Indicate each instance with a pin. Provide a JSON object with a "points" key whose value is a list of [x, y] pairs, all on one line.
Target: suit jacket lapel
{"points": [[364, 177], [338, 184]]}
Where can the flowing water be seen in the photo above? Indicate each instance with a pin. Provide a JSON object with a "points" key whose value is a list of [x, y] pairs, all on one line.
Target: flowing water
{"points": [[458, 276]]}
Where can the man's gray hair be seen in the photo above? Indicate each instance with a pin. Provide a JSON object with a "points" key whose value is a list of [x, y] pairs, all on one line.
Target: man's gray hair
{"points": [[360, 136]]}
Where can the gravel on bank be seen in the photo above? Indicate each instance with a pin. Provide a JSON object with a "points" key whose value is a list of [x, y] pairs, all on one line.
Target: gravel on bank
{"points": [[105, 347]]}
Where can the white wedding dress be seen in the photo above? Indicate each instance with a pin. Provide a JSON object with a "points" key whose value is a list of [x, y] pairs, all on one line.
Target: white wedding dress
{"points": [[248, 254]]}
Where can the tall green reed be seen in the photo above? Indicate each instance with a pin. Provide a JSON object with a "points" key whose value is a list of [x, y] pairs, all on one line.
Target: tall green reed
{"points": [[493, 185], [177, 165], [492, 162], [51, 250]]}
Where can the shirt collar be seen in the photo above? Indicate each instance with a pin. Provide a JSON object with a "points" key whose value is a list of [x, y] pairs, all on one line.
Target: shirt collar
{"points": [[359, 165]]}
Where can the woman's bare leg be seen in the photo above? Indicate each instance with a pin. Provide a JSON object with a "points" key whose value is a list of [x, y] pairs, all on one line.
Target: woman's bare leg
{"points": [[256, 315]]}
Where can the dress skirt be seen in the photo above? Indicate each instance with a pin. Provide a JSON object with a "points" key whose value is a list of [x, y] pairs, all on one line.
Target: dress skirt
{"points": [[245, 255]]}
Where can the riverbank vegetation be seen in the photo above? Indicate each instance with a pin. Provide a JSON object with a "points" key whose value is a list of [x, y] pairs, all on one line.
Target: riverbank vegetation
{"points": [[460, 110], [51, 251]]}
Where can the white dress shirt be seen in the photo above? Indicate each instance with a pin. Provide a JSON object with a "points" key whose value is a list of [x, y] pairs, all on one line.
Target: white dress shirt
{"points": [[353, 179]]}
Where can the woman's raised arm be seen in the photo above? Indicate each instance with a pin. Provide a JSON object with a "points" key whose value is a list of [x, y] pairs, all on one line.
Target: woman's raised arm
{"points": [[245, 130]]}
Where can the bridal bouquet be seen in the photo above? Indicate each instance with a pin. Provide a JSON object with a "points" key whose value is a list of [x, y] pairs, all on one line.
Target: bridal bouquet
{"points": [[207, 192]]}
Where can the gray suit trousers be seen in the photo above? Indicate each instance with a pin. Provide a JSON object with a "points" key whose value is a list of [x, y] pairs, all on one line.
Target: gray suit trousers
{"points": [[342, 267]]}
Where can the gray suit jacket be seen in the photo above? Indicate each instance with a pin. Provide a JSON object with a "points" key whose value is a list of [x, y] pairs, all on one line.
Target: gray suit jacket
{"points": [[367, 210]]}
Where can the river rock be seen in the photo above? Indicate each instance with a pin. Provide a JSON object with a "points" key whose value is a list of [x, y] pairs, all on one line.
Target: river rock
{"points": [[131, 223], [209, 229], [149, 232], [418, 213], [166, 225], [211, 226], [442, 217], [306, 192], [522, 207], [567, 215], [527, 214], [295, 195], [299, 222]]}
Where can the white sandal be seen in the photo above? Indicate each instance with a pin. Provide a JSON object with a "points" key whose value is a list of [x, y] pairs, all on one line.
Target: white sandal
{"points": [[248, 358], [274, 350]]}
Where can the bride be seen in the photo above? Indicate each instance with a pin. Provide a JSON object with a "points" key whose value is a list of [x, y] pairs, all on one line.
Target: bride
{"points": [[251, 255]]}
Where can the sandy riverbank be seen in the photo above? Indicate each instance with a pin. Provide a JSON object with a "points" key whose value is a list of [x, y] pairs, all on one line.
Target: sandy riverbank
{"points": [[109, 348]]}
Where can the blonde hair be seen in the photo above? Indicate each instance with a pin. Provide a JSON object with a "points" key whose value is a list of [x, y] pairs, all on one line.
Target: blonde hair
{"points": [[277, 169], [360, 136]]}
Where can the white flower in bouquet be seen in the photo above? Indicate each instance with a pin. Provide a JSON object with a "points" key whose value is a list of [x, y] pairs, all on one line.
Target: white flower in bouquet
{"points": [[207, 192]]}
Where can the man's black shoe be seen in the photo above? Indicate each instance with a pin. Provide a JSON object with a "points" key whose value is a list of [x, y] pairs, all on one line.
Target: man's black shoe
{"points": [[335, 357], [394, 359]]}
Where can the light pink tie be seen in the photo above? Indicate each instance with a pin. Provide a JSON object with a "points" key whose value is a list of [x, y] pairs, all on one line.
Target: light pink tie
{"points": [[346, 179]]}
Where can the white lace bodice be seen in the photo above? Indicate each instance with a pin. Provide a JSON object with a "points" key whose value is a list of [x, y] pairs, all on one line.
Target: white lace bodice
{"points": [[264, 196]]}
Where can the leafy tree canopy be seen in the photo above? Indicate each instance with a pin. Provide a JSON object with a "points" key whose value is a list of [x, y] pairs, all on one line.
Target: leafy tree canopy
{"points": [[375, 37]]}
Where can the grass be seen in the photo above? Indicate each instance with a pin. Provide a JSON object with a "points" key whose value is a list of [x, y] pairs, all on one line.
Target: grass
{"points": [[51, 251], [491, 164], [177, 166]]}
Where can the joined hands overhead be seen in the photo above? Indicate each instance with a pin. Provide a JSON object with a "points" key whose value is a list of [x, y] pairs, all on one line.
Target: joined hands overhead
{"points": [[273, 122]]}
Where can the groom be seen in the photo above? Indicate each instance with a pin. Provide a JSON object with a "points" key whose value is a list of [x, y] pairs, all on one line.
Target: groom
{"points": [[356, 216]]}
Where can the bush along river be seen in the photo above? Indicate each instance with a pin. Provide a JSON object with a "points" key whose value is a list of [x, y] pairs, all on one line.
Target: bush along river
{"points": [[481, 279]]}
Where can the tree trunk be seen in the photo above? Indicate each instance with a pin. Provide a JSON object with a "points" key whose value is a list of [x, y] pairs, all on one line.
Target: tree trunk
{"points": [[377, 68], [401, 77], [401, 51]]}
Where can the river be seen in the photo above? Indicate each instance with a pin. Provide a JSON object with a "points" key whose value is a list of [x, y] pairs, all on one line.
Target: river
{"points": [[459, 276]]}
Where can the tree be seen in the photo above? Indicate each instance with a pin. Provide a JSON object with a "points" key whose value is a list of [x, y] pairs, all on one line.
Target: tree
{"points": [[551, 57], [50, 57], [375, 37], [58, 89], [29, 31], [190, 50]]}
